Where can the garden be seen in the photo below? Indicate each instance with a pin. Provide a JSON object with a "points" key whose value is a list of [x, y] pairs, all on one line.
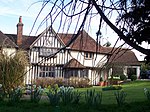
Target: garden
{"points": [[133, 96]]}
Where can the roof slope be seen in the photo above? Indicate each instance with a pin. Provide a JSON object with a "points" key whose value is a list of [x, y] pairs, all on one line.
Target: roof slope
{"points": [[84, 42], [73, 63], [6, 41], [123, 56], [26, 42]]}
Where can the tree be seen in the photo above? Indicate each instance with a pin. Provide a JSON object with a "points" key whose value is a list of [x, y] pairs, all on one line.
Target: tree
{"points": [[132, 18], [12, 70]]}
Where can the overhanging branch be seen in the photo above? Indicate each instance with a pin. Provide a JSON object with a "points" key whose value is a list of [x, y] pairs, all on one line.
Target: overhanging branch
{"points": [[120, 34]]}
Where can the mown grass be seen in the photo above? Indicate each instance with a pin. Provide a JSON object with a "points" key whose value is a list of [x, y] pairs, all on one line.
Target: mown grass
{"points": [[135, 102]]}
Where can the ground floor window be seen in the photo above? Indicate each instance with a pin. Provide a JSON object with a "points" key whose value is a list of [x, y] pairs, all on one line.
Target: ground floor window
{"points": [[76, 73], [47, 71]]}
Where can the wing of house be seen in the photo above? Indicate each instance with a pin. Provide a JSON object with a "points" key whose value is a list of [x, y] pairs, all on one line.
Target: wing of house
{"points": [[124, 61], [83, 58], [7, 45]]}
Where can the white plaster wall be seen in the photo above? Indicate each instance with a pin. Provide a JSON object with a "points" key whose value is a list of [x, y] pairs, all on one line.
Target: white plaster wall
{"points": [[100, 59]]}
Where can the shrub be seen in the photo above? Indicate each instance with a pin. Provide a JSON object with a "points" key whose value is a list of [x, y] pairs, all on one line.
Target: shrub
{"points": [[78, 82], [92, 98], [46, 81], [133, 77], [120, 97], [123, 77], [112, 88], [12, 70]]}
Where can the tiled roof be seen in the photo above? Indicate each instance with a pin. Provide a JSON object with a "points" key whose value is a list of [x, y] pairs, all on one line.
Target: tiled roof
{"points": [[73, 63], [26, 42], [86, 43], [6, 41], [83, 43], [124, 57]]}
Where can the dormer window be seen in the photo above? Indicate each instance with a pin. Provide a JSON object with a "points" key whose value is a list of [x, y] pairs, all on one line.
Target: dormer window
{"points": [[88, 55]]}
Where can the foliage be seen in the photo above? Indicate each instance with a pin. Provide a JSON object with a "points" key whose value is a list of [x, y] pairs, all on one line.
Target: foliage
{"points": [[47, 81], [120, 97], [78, 82], [133, 77], [15, 95], [72, 81], [92, 98], [147, 94], [76, 97], [36, 93], [113, 78], [123, 77], [54, 95], [101, 79], [112, 87], [144, 71], [66, 94], [137, 21], [12, 70], [133, 90], [1, 93]]}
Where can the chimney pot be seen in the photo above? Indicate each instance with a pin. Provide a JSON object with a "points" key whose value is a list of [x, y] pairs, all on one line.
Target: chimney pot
{"points": [[20, 19]]}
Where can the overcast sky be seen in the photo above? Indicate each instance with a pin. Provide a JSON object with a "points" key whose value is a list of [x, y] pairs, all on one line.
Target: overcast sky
{"points": [[12, 9]]}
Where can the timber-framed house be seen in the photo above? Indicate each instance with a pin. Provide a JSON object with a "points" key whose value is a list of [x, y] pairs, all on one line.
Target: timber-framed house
{"points": [[83, 58]]}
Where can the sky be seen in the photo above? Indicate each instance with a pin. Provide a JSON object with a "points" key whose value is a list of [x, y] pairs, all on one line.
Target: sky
{"points": [[10, 10]]}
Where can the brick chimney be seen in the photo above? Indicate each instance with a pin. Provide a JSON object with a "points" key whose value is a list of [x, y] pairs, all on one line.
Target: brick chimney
{"points": [[19, 31]]}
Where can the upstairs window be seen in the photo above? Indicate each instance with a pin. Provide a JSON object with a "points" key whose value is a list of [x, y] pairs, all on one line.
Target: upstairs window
{"points": [[88, 55], [47, 51]]}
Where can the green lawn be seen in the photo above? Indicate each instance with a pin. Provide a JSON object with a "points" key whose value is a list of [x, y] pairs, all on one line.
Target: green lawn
{"points": [[135, 102]]}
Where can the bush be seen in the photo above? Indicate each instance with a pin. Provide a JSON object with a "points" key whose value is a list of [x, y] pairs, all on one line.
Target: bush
{"points": [[112, 88], [123, 77], [133, 77], [78, 82], [72, 81], [12, 70], [46, 81]]}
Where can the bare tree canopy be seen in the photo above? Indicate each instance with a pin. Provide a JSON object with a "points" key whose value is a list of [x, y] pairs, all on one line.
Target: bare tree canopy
{"points": [[132, 18]]}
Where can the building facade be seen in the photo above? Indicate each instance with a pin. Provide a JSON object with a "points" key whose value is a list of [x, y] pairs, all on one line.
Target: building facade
{"points": [[50, 55]]}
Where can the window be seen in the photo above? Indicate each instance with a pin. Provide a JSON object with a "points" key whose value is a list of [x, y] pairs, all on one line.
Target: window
{"points": [[88, 55], [47, 71], [46, 51], [82, 73]]}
